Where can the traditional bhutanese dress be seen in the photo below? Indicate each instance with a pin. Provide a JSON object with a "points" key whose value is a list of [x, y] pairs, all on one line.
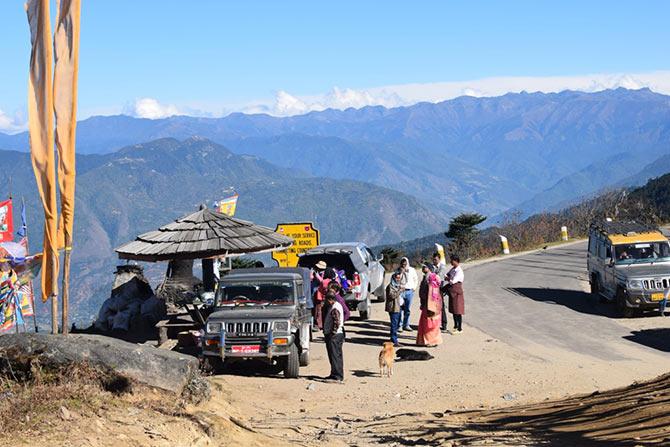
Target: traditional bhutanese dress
{"points": [[431, 315]]}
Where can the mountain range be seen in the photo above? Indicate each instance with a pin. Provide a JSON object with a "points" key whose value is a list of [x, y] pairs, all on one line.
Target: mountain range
{"points": [[481, 154], [141, 187]]}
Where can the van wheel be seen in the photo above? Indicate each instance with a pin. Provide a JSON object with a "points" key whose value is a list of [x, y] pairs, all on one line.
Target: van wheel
{"points": [[595, 289], [624, 311], [304, 358], [292, 363]]}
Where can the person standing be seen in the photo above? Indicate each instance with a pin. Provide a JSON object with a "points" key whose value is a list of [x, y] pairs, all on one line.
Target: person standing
{"points": [[319, 287], [337, 290], [394, 303], [430, 296], [440, 269], [454, 281], [410, 283], [333, 332], [664, 302]]}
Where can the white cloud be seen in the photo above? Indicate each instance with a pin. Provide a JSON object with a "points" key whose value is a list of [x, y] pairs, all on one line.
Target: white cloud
{"points": [[12, 124], [286, 104], [151, 108]]}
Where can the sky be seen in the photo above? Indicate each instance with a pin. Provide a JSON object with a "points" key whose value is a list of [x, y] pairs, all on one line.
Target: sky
{"points": [[155, 58]]}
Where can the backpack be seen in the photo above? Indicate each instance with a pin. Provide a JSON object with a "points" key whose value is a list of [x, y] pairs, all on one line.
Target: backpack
{"points": [[344, 282]]}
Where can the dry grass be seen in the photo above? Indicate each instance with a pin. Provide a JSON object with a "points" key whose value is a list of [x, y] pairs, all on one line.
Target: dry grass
{"points": [[32, 396]]}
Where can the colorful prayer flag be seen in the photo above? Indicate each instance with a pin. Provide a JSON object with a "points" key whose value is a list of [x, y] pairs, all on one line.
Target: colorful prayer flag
{"points": [[23, 230], [228, 206], [6, 221]]}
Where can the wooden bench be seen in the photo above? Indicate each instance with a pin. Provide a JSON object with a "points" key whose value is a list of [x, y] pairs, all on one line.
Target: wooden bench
{"points": [[164, 325]]}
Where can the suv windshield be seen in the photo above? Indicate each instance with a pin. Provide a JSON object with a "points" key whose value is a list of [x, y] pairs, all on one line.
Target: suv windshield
{"points": [[642, 252], [256, 293]]}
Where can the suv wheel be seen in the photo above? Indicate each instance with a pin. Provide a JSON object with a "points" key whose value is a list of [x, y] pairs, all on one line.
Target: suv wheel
{"points": [[213, 365], [304, 358], [379, 294], [365, 314], [624, 310], [292, 363]]}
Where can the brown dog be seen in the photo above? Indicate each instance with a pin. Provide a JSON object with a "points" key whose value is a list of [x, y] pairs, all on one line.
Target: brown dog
{"points": [[386, 357]]}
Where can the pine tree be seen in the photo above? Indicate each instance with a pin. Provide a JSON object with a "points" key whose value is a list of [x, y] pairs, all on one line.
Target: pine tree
{"points": [[463, 232]]}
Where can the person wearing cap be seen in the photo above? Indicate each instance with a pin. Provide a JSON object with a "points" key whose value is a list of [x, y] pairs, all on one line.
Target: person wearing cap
{"points": [[454, 281]]}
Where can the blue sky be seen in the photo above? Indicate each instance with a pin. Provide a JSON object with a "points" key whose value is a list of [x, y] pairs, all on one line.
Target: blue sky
{"points": [[211, 57]]}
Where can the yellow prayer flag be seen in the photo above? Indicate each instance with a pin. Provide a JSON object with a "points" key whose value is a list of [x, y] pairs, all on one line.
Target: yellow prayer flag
{"points": [[41, 130], [228, 206]]}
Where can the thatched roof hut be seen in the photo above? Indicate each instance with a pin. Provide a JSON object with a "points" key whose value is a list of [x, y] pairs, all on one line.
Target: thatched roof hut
{"points": [[203, 234]]}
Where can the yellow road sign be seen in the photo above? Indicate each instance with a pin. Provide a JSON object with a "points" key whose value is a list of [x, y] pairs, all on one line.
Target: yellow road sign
{"points": [[305, 236]]}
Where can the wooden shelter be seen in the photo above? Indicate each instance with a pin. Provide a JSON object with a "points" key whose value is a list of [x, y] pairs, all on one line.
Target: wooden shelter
{"points": [[202, 235]]}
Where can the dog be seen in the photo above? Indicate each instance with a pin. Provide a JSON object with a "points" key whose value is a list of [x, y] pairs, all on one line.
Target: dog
{"points": [[386, 357], [412, 354]]}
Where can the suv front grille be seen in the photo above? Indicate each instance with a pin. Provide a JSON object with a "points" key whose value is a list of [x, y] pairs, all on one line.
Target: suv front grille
{"points": [[247, 328], [656, 283]]}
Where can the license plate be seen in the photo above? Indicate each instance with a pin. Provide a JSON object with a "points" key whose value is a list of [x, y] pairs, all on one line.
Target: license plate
{"points": [[657, 296], [246, 349]]}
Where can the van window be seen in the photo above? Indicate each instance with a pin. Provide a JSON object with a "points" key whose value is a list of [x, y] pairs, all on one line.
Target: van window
{"points": [[601, 249], [593, 244]]}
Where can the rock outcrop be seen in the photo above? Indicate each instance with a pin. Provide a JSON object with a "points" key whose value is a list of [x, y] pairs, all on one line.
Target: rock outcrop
{"points": [[158, 368]]}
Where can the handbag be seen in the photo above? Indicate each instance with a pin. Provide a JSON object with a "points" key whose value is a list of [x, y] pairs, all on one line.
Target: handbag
{"points": [[432, 306]]}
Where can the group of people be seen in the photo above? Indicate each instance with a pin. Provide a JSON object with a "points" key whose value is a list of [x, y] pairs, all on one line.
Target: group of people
{"points": [[440, 292]]}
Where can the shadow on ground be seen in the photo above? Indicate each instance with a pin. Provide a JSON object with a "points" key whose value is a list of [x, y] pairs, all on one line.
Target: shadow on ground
{"points": [[653, 338], [575, 300]]}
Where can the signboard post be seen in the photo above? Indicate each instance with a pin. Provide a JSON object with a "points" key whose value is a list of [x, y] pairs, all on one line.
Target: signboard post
{"points": [[305, 236]]}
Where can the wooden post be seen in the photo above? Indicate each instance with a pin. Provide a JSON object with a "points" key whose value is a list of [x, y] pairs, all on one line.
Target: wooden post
{"points": [[66, 283], [32, 289], [54, 308], [54, 314]]}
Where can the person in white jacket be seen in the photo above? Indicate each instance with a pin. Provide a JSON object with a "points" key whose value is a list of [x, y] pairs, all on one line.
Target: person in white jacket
{"points": [[411, 281]]}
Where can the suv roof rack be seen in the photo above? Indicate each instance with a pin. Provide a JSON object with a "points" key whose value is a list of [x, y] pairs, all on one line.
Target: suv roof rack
{"points": [[623, 227]]}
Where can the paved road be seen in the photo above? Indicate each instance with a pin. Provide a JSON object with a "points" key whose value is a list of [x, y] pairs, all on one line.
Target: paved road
{"points": [[540, 302]]}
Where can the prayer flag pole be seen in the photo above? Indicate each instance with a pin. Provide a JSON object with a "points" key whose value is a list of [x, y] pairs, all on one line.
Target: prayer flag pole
{"points": [[24, 223]]}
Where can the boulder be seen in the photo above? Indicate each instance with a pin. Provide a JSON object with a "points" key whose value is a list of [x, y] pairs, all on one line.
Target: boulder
{"points": [[143, 364]]}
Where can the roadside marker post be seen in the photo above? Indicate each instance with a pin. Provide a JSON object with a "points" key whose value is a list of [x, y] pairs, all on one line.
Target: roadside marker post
{"points": [[504, 245], [564, 233]]}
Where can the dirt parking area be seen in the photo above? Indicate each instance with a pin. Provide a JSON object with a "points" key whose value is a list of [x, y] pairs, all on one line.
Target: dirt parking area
{"points": [[483, 368]]}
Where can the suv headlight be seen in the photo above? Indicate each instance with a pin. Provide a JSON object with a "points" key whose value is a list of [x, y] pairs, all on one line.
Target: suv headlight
{"points": [[635, 284], [214, 328], [280, 326]]}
